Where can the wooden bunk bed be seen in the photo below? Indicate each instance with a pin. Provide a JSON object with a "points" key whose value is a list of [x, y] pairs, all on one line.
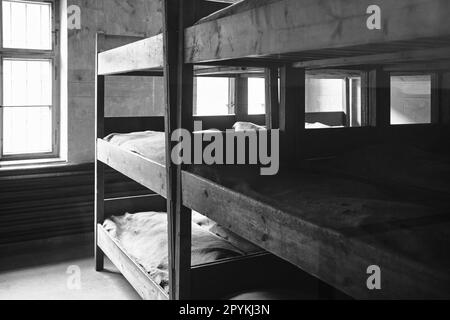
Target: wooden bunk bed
{"points": [[332, 224]]}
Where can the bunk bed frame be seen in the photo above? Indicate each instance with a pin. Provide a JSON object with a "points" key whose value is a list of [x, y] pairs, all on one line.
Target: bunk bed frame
{"points": [[287, 43]]}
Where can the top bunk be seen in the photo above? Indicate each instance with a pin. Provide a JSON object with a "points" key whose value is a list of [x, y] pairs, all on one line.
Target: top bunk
{"points": [[143, 56], [287, 31], [127, 55]]}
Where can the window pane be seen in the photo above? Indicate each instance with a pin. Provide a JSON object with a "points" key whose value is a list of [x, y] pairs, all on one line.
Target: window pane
{"points": [[333, 102], [213, 96], [27, 82], [325, 95], [325, 103], [27, 25], [27, 130], [256, 96], [411, 99]]}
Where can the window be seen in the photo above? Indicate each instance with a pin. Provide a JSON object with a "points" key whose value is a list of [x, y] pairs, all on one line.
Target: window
{"points": [[256, 96], [29, 107], [213, 96], [333, 101], [411, 99]]}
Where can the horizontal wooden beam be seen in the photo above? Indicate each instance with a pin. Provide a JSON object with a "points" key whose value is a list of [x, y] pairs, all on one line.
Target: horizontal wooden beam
{"points": [[228, 71], [131, 270], [146, 172], [313, 235], [143, 55], [386, 58], [285, 29]]}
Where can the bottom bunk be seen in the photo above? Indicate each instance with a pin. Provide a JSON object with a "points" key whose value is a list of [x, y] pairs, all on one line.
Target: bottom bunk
{"points": [[223, 264]]}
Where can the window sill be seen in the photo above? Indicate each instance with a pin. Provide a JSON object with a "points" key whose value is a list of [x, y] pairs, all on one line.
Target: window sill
{"points": [[31, 164]]}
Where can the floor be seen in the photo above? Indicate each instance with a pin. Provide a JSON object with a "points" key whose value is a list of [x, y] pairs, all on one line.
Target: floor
{"points": [[59, 271]]}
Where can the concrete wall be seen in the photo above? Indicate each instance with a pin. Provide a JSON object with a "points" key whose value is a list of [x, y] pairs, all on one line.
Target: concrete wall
{"points": [[125, 96]]}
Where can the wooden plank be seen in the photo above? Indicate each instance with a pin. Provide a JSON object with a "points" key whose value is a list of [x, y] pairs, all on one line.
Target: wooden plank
{"points": [[292, 26], [178, 78], [376, 59], [445, 99], [291, 112], [133, 272], [436, 80], [421, 66], [379, 98], [272, 99], [336, 254], [143, 55], [148, 173], [206, 71], [241, 98], [99, 167]]}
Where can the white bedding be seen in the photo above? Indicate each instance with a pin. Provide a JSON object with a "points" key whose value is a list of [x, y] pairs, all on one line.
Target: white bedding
{"points": [[151, 144], [144, 237], [319, 125]]}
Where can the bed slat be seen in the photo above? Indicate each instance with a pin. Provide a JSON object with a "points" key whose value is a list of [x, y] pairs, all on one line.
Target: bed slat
{"points": [[143, 55], [135, 274], [145, 172]]}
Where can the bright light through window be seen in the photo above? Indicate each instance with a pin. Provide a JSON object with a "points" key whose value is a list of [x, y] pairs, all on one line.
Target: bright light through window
{"points": [[27, 25], [28, 124], [27, 130], [325, 95], [27, 82], [256, 96], [213, 96], [411, 99], [27, 115]]}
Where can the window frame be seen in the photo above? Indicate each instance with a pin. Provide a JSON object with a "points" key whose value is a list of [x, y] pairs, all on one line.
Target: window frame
{"points": [[347, 76], [54, 56], [231, 95], [434, 95]]}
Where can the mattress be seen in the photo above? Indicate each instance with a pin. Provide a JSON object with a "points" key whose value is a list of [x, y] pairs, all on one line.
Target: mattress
{"points": [[144, 237], [150, 144]]}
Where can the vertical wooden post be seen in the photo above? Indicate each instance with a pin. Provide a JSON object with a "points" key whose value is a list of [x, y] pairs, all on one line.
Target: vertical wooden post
{"points": [[445, 99], [348, 101], [365, 109], [379, 98], [99, 206], [292, 113], [179, 114], [241, 92], [272, 99], [436, 80]]}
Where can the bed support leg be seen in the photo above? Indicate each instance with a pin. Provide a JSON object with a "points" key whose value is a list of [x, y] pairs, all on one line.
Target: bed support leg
{"points": [[179, 114], [272, 99], [292, 113], [99, 197], [99, 212]]}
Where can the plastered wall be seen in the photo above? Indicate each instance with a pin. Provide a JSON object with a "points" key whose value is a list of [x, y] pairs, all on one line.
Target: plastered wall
{"points": [[125, 96]]}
